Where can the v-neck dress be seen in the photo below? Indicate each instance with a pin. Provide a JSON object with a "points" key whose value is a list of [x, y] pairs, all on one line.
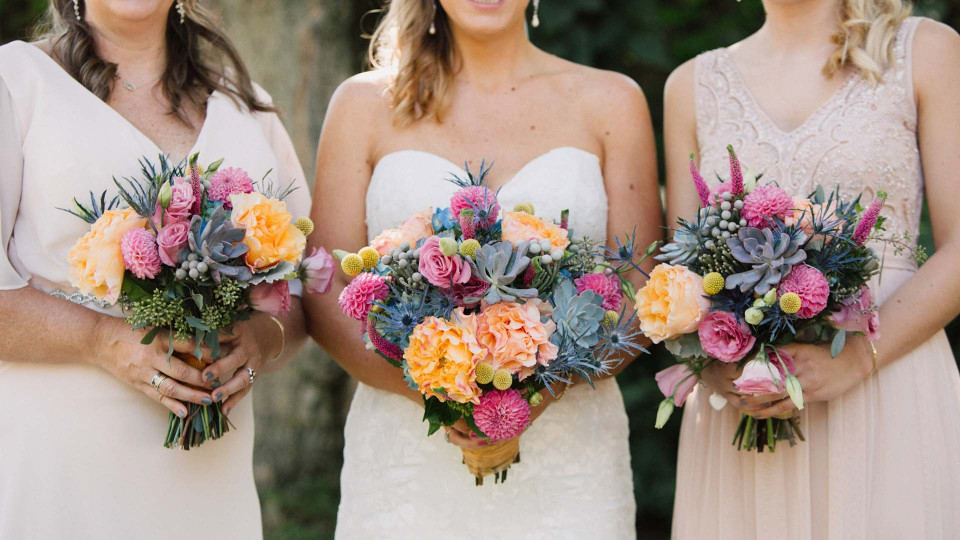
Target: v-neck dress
{"points": [[81, 452]]}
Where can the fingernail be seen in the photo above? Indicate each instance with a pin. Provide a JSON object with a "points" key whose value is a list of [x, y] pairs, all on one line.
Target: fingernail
{"points": [[206, 401], [219, 396], [182, 413], [215, 385], [208, 376]]}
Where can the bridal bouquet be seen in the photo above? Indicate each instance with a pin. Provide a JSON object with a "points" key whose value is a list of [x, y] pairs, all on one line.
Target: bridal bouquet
{"points": [[753, 271], [483, 310], [190, 250]]}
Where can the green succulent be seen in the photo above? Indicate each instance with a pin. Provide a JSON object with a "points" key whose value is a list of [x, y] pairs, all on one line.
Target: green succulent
{"points": [[683, 249], [771, 253], [499, 265], [216, 246], [578, 316]]}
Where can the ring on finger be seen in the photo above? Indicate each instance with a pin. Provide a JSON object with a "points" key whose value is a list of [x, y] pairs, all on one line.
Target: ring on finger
{"points": [[253, 375], [157, 380]]}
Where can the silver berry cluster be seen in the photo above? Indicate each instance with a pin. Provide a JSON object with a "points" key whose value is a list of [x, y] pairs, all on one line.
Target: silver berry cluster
{"points": [[718, 224], [193, 268], [404, 262], [546, 253]]}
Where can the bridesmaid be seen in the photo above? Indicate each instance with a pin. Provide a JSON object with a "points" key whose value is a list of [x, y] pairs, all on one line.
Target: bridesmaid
{"points": [[81, 428], [851, 92], [459, 80]]}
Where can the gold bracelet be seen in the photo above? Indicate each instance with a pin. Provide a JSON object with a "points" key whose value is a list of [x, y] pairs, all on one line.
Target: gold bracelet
{"points": [[875, 356], [560, 394], [283, 337]]}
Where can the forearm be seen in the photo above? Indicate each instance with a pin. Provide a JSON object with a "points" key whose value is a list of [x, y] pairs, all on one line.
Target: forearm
{"points": [[920, 307], [292, 332], [67, 329]]}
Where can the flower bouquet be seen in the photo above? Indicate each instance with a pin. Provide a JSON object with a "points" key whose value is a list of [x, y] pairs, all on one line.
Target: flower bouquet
{"points": [[755, 270], [189, 250], [482, 312]]}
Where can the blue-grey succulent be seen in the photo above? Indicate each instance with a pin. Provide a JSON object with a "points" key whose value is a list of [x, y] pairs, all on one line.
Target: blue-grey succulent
{"points": [[683, 249], [578, 316], [216, 247], [499, 265], [771, 253]]}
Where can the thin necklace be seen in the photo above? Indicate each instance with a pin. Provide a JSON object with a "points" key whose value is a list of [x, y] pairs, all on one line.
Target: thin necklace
{"points": [[133, 87]]}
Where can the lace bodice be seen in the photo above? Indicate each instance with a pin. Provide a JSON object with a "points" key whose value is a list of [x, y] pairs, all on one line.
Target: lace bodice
{"points": [[864, 138]]}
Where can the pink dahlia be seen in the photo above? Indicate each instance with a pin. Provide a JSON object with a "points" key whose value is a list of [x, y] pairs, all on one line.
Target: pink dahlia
{"points": [[358, 296], [140, 256], [502, 414], [725, 337], [477, 198], [607, 286], [227, 182], [765, 203], [810, 286]]}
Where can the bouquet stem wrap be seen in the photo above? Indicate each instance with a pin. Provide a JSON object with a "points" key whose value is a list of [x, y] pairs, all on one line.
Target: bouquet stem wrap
{"points": [[202, 423], [494, 459]]}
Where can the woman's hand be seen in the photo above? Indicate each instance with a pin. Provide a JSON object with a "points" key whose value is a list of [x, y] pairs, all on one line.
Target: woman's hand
{"points": [[120, 353], [250, 346], [461, 435], [719, 377], [824, 378]]}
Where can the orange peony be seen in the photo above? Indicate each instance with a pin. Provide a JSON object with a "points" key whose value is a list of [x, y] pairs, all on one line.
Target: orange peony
{"points": [[515, 337], [671, 303], [271, 236], [414, 228], [521, 227], [96, 262], [442, 358]]}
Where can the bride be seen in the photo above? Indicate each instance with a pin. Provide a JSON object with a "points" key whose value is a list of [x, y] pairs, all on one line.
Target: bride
{"points": [[459, 81]]}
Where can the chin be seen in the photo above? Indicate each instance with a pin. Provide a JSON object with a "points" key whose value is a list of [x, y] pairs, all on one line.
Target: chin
{"points": [[133, 10], [485, 17]]}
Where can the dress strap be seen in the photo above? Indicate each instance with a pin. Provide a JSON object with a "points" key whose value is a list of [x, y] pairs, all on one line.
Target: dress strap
{"points": [[903, 58]]}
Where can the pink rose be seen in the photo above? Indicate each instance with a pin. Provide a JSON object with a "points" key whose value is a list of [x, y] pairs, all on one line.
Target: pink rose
{"points": [[761, 377], [171, 239], [440, 270], [858, 314], [724, 337], [180, 202], [676, 382], [272, 298], [317, 272]]}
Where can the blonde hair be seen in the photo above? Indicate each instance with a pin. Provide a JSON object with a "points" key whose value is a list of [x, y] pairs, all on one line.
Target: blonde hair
{"points": [[422, 65], [865, 41]]}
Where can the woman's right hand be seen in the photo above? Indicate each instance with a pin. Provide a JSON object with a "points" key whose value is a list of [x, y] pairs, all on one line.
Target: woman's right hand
{"points": [[719, 377], [118, 350]]}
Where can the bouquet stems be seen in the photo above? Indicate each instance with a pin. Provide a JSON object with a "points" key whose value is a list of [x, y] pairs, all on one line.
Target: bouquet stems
{"points": [[494, 459], [202, 423], [759, 434]]}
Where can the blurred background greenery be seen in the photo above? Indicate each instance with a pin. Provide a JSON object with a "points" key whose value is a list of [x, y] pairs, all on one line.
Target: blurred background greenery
{"points": [[299, 50]]}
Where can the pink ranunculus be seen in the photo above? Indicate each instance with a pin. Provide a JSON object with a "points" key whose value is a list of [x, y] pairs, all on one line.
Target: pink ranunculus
{"points": [[318, 270], [764, 204], [724, 337], [760, 377], [272, 298], [810, 285], [171, 239], [139, 249], [606, 285], [677, 382], [440, 270], [858, 314], [181, 201]]}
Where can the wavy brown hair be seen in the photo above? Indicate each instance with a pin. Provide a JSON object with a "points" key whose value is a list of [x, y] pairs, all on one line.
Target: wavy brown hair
{"points": [[422, 65], [865, 41], [200, 59]]}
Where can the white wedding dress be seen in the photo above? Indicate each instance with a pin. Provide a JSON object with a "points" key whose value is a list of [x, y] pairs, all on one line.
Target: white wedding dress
{"points": [[574, 479]]}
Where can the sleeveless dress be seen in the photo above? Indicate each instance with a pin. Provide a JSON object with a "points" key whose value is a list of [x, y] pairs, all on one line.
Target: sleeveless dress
{"points": [[883, 460], [81, 453], [574, 480]]}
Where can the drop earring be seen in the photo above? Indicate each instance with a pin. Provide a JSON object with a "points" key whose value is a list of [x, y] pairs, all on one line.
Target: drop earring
{"points": [[535, 21], [433, 22], [182, 10], [76, 9]]}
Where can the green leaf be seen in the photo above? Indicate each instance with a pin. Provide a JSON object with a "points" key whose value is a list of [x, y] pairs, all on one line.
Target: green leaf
{"points": [[795, 391], [212, 340], [197, 299], [628, 289], [839, 341], [197, 324], [135, 289], [818, 196], [473, 426], [214, 166], [151, 335], [200, 335]]}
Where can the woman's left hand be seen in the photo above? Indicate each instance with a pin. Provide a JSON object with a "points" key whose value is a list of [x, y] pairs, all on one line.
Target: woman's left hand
{"points": [[250, 346], [822, 377], [461, 435]]}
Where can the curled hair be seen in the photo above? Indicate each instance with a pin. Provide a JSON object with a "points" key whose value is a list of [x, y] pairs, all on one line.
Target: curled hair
{"points": [[200, 59], [865, 41], [422, 65]]}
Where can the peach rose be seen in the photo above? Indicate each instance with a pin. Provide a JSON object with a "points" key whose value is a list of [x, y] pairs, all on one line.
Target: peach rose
{"points": [[413, 229], [671, 303], [805, 210], [515, 337], [271, 236], [442, 358], [96, 261], [521, 227]]}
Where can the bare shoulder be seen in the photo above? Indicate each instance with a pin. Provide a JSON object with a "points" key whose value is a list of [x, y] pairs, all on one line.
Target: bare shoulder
{"points": [[936, 54], [679, 86], [606, 95], [364, 95]]}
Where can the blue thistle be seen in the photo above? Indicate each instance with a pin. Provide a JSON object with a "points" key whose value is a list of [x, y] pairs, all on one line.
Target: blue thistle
{"points": [[620, 338], [400, 316]]}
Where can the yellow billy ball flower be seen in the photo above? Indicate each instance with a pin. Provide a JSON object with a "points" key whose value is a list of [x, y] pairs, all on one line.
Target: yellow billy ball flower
{"points": [[502, 379], [352, 264], [469, 247], [305, 225], [790, 303], [611, 318], [370, 257], [484, 373], [713, 283], [524, 207]]}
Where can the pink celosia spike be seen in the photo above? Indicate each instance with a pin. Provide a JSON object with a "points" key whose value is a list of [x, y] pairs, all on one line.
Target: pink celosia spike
{"points": [[197, 185], [467, 226], [565, 219], [736, 174], [702, 190], [528, 275], [869, 219], [385, 347]]}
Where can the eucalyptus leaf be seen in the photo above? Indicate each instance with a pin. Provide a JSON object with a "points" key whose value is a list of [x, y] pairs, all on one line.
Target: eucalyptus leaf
{"points": [[197, 324], [151, 335], [197, 299], [685, 346], [839, 340]]}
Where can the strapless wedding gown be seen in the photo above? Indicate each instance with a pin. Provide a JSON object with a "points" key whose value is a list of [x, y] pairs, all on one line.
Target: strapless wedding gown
{"points": [[574, 480]]}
